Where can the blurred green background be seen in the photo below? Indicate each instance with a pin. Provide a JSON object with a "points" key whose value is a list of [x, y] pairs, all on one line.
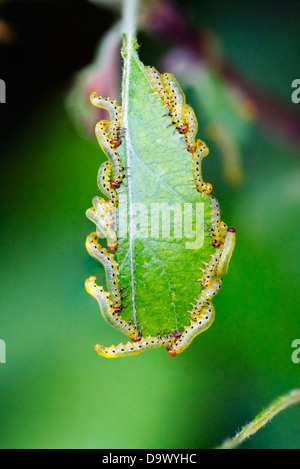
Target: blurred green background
{"points": [[55, 392]]}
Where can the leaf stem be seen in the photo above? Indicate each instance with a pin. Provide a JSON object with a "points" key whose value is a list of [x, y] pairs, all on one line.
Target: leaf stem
{"points": [[130, 10], [281, 403]]}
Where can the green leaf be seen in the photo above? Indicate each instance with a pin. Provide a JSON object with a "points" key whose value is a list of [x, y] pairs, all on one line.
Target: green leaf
{"points": [[160, 273]]}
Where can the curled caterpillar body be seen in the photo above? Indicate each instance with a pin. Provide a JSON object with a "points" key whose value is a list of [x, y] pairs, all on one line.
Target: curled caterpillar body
{"points": [[220, 238], [197, 157], [177, 102], [190, 136], [110, 265], [103, 180], [157, 83], [209, 272], [135, 348], [115, 113], [105, 209], [103, 215], [110, 149], [174, 344], [203, 322], [227, 251], [218, 227], [108, 310], [205, 296], [104, 228], [219, 261]]}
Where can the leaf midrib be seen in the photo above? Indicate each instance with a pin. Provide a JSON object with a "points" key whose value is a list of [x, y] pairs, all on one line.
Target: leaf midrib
{"points": [[125, 123]]}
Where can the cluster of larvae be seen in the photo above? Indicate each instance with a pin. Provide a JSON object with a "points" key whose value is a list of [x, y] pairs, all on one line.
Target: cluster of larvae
{"points": [[110, 177]]}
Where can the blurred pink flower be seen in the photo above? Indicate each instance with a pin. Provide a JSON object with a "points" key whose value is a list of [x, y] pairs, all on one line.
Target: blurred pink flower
{"points": [[102, 77]]}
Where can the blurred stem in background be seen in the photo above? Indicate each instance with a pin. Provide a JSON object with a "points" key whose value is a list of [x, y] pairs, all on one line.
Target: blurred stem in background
{"points": [[293, 397]]}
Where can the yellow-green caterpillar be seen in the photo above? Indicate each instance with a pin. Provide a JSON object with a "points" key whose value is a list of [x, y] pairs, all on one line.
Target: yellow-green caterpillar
{"points": [[104, 222], [106, 145], [217, 267], [174, 343], [177, 102], [109, 312], [191, 134], [115, 123], [197, 157], [185, 121], [110, 265], [157, 83], [104, 182], [218, 227]]}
